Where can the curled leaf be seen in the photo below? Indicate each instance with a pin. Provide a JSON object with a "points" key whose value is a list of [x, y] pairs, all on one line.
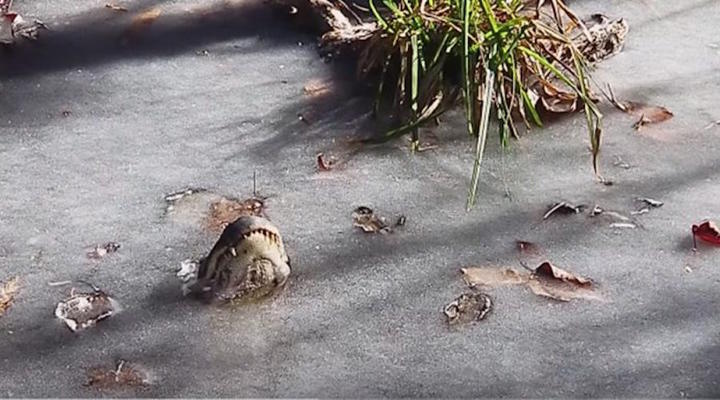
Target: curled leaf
{"points": [[648, 114], [707, 231], [468, 307], [559, 284]]}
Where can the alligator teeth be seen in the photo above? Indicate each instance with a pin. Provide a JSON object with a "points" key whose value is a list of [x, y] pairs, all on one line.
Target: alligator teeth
{"points": [[233, 252]]}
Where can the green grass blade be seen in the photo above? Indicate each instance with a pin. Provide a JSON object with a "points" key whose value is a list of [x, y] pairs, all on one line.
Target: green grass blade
{"points": [[548, 65], [467, 80], [414, 71], [482, 136], [378, 18], [490, 14]]}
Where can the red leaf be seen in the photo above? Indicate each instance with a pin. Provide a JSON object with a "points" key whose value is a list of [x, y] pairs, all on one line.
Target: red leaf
{"points": [[707, 231]]}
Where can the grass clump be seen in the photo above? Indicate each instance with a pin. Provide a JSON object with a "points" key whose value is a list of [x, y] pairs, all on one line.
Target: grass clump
{"points": [[501, 57]]}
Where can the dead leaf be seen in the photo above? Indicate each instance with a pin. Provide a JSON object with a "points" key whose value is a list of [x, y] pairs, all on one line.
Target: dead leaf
{"points": [[322, 164], [559, 284], [547, 270], [365, 219], [564, 208], [557, 100], [317, 87], [101, 251], [707, 231], [468, 307], [115, 7], [225, 211], [124, 374], [648, 114], [84, 310], [493, 277], [8, 291]]}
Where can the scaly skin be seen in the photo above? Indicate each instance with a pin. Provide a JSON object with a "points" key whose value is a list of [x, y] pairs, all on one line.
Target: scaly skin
{"points": [[247, 262]]}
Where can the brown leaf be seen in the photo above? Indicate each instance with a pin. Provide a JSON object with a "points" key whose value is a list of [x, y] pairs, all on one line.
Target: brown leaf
{"points": [[557, 100], [648, 114], [365, 219], [468, 307], [8, 291], [564, 208], [559, 284], [548, 270], [225, 211], [115, 7], [84, 310], [493, 277], [123, 375]]}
